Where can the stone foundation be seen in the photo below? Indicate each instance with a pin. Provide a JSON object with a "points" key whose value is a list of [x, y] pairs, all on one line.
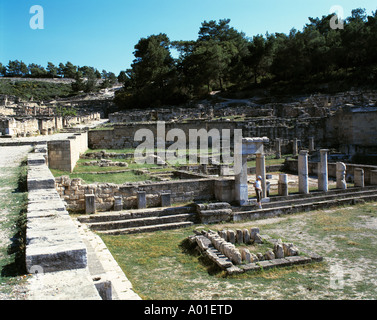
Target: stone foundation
{"points": [[52, 241], [228, 250], [73, 192]]}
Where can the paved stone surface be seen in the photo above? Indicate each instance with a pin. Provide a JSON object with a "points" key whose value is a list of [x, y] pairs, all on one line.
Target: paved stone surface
{"points": [[63, 285], [102, 264], [68, 284]]}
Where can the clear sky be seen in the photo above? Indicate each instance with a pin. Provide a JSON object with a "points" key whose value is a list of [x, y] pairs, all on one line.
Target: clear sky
{"points": [[102, 34]]}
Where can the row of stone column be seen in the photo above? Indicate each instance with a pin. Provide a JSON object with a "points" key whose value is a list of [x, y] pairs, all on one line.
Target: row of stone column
{"points": [[303, 173]]}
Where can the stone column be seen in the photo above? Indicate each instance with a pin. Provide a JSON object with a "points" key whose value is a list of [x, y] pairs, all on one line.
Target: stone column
{"points": [[260, 170], [141, 200], [283, 185], [323, 183], [241, 187], [311, 144], [90, 203], [341, 175], [278, 148], [303, 172], [358, 177]]}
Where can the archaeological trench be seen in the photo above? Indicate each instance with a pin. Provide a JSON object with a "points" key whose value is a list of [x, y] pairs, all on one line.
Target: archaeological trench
{"points": [[328, 162]]}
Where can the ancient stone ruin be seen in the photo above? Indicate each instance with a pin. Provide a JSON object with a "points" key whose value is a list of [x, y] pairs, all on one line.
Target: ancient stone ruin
{"points": [[318, 136], [229, 250]]}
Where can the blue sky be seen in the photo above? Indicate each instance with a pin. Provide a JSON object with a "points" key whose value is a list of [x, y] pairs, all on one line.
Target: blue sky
{"points": [[103, 34]]}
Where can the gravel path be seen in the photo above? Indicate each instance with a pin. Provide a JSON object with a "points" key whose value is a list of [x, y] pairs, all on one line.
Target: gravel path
{"points": [[10, 159]]}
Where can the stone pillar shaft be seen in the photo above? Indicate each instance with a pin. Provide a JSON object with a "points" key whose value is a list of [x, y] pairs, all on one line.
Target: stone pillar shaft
{"points": [[303, 172], [241, 186], [283, 185], [311, 144], [323, 184], [341, 175], [260, 170]]}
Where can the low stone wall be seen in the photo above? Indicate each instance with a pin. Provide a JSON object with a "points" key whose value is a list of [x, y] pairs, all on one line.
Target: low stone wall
{"points": [[52, 241], [64, 154], [73, 192]]}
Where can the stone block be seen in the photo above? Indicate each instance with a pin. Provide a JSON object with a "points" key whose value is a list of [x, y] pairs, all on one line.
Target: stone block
{"points": [[250, 267], [53, 244], [141, 200], [118, 203], [236, 257], [246, 236], [246, 256], [269, 255], [103, 287], [280, 262], [223, 234], [266, 264], [278, 251], [239, 236], [298, 259], [290, 250], [90, 203], [359, 177], [234, 270], [231, 236], [166, 199], [373, 177]]}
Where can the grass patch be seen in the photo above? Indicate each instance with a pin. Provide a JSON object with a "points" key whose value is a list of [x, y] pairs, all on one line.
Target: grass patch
{"points": [[161, 266], [13, 206]]}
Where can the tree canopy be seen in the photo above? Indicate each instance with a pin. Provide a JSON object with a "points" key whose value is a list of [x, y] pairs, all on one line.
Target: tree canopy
{"points": [[222, 58]]}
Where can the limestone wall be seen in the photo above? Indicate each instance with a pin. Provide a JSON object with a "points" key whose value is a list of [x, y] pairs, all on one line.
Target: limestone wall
{"points": [[122, 136], [64, 154], [45, 125], [19, 127], [6, 111], [353, 126], [73, 192]]}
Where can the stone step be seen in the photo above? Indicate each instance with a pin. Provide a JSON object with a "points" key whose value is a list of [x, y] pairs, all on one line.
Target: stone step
{"points": [[152, 228], [319, 193], [321, 197], [297, 199], [140, 222], [301, 207], [132, 214]]}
